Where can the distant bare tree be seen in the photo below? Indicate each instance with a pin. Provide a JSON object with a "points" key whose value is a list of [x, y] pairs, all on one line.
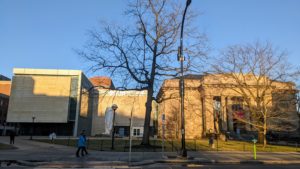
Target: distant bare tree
{"points": [[140, 55], [298, 105], [260, 73]]}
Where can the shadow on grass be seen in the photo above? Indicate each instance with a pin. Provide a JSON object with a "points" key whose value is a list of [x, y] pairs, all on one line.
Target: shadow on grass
{"points": [[122, 145], [7, 147]]}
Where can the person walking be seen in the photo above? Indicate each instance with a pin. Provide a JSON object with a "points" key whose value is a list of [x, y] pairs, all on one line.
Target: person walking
{"points": [[81, 144], [211, 141], [52, 136], [85, 145], [12, 137]]}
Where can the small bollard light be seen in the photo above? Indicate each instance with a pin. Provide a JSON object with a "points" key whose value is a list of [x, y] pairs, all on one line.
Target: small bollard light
{"points": [[254, 148]]}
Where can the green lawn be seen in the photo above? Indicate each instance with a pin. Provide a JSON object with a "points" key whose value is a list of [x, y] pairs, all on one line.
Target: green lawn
{"points": [[173, 145], [6, 147], [239, 146]]}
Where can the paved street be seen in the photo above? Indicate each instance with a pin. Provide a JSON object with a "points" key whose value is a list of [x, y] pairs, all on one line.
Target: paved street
{"points": [[161, 166], [224, 166], [31, 153]]}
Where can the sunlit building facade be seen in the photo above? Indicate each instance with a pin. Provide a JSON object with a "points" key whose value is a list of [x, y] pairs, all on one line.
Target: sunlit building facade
{"points": [[131, 110], [213, 104], [66, 102], [47, 100]]}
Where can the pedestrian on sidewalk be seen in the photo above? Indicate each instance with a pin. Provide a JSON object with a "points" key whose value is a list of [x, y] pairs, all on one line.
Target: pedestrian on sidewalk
{"points": [[211, 138], [52, 136], [81, 143], [85, 145], [12, 137], [211, 141]]}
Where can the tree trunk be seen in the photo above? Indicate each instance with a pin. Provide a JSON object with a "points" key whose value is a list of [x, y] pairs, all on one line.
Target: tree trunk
{"points": [[265, 133], [260, 136], [265, 139], [146, 134]]}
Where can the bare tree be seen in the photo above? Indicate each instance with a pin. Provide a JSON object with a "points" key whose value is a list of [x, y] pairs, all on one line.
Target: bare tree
{"points": [[140, 55], [259, 74]]}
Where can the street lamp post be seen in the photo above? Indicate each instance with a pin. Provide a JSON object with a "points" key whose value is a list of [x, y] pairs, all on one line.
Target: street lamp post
{"points": [[181, 59], [4, 128], [114, 107], [32, 127]]}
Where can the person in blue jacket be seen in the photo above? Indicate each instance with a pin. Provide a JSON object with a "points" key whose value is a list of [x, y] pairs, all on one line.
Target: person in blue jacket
{"points": [[85, 146], [81, 143]]}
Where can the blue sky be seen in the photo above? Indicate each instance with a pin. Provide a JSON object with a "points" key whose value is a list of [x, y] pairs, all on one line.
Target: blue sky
{"points": [[43, 34]]}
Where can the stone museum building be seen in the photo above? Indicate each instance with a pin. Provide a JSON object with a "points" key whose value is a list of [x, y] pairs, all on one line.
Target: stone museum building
{"points": [[216, 102]]}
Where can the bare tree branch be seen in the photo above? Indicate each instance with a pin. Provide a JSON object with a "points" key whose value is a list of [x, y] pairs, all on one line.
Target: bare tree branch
{"points": [[258, 73], [143, 54]]}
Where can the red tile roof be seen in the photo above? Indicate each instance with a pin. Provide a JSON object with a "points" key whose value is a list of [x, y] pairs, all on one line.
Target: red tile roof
{"points": [[102, 82]]}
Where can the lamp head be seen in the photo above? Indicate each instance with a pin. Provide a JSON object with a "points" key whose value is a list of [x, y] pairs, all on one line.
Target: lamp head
{"points": [[114, 107], [188, 2]]}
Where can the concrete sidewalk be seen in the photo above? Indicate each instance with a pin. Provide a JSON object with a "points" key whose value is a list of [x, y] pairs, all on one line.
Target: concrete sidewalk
{"points": [[37, 153]]}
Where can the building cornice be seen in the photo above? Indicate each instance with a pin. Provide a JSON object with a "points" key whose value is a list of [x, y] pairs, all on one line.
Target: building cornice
{"points": [[25, 71]]}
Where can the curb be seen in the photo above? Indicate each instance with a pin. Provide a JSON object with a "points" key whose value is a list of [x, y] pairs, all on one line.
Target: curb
{"points": [[207, 161], [26, 163], [143, 163], [19, 162], [150, 162]]}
